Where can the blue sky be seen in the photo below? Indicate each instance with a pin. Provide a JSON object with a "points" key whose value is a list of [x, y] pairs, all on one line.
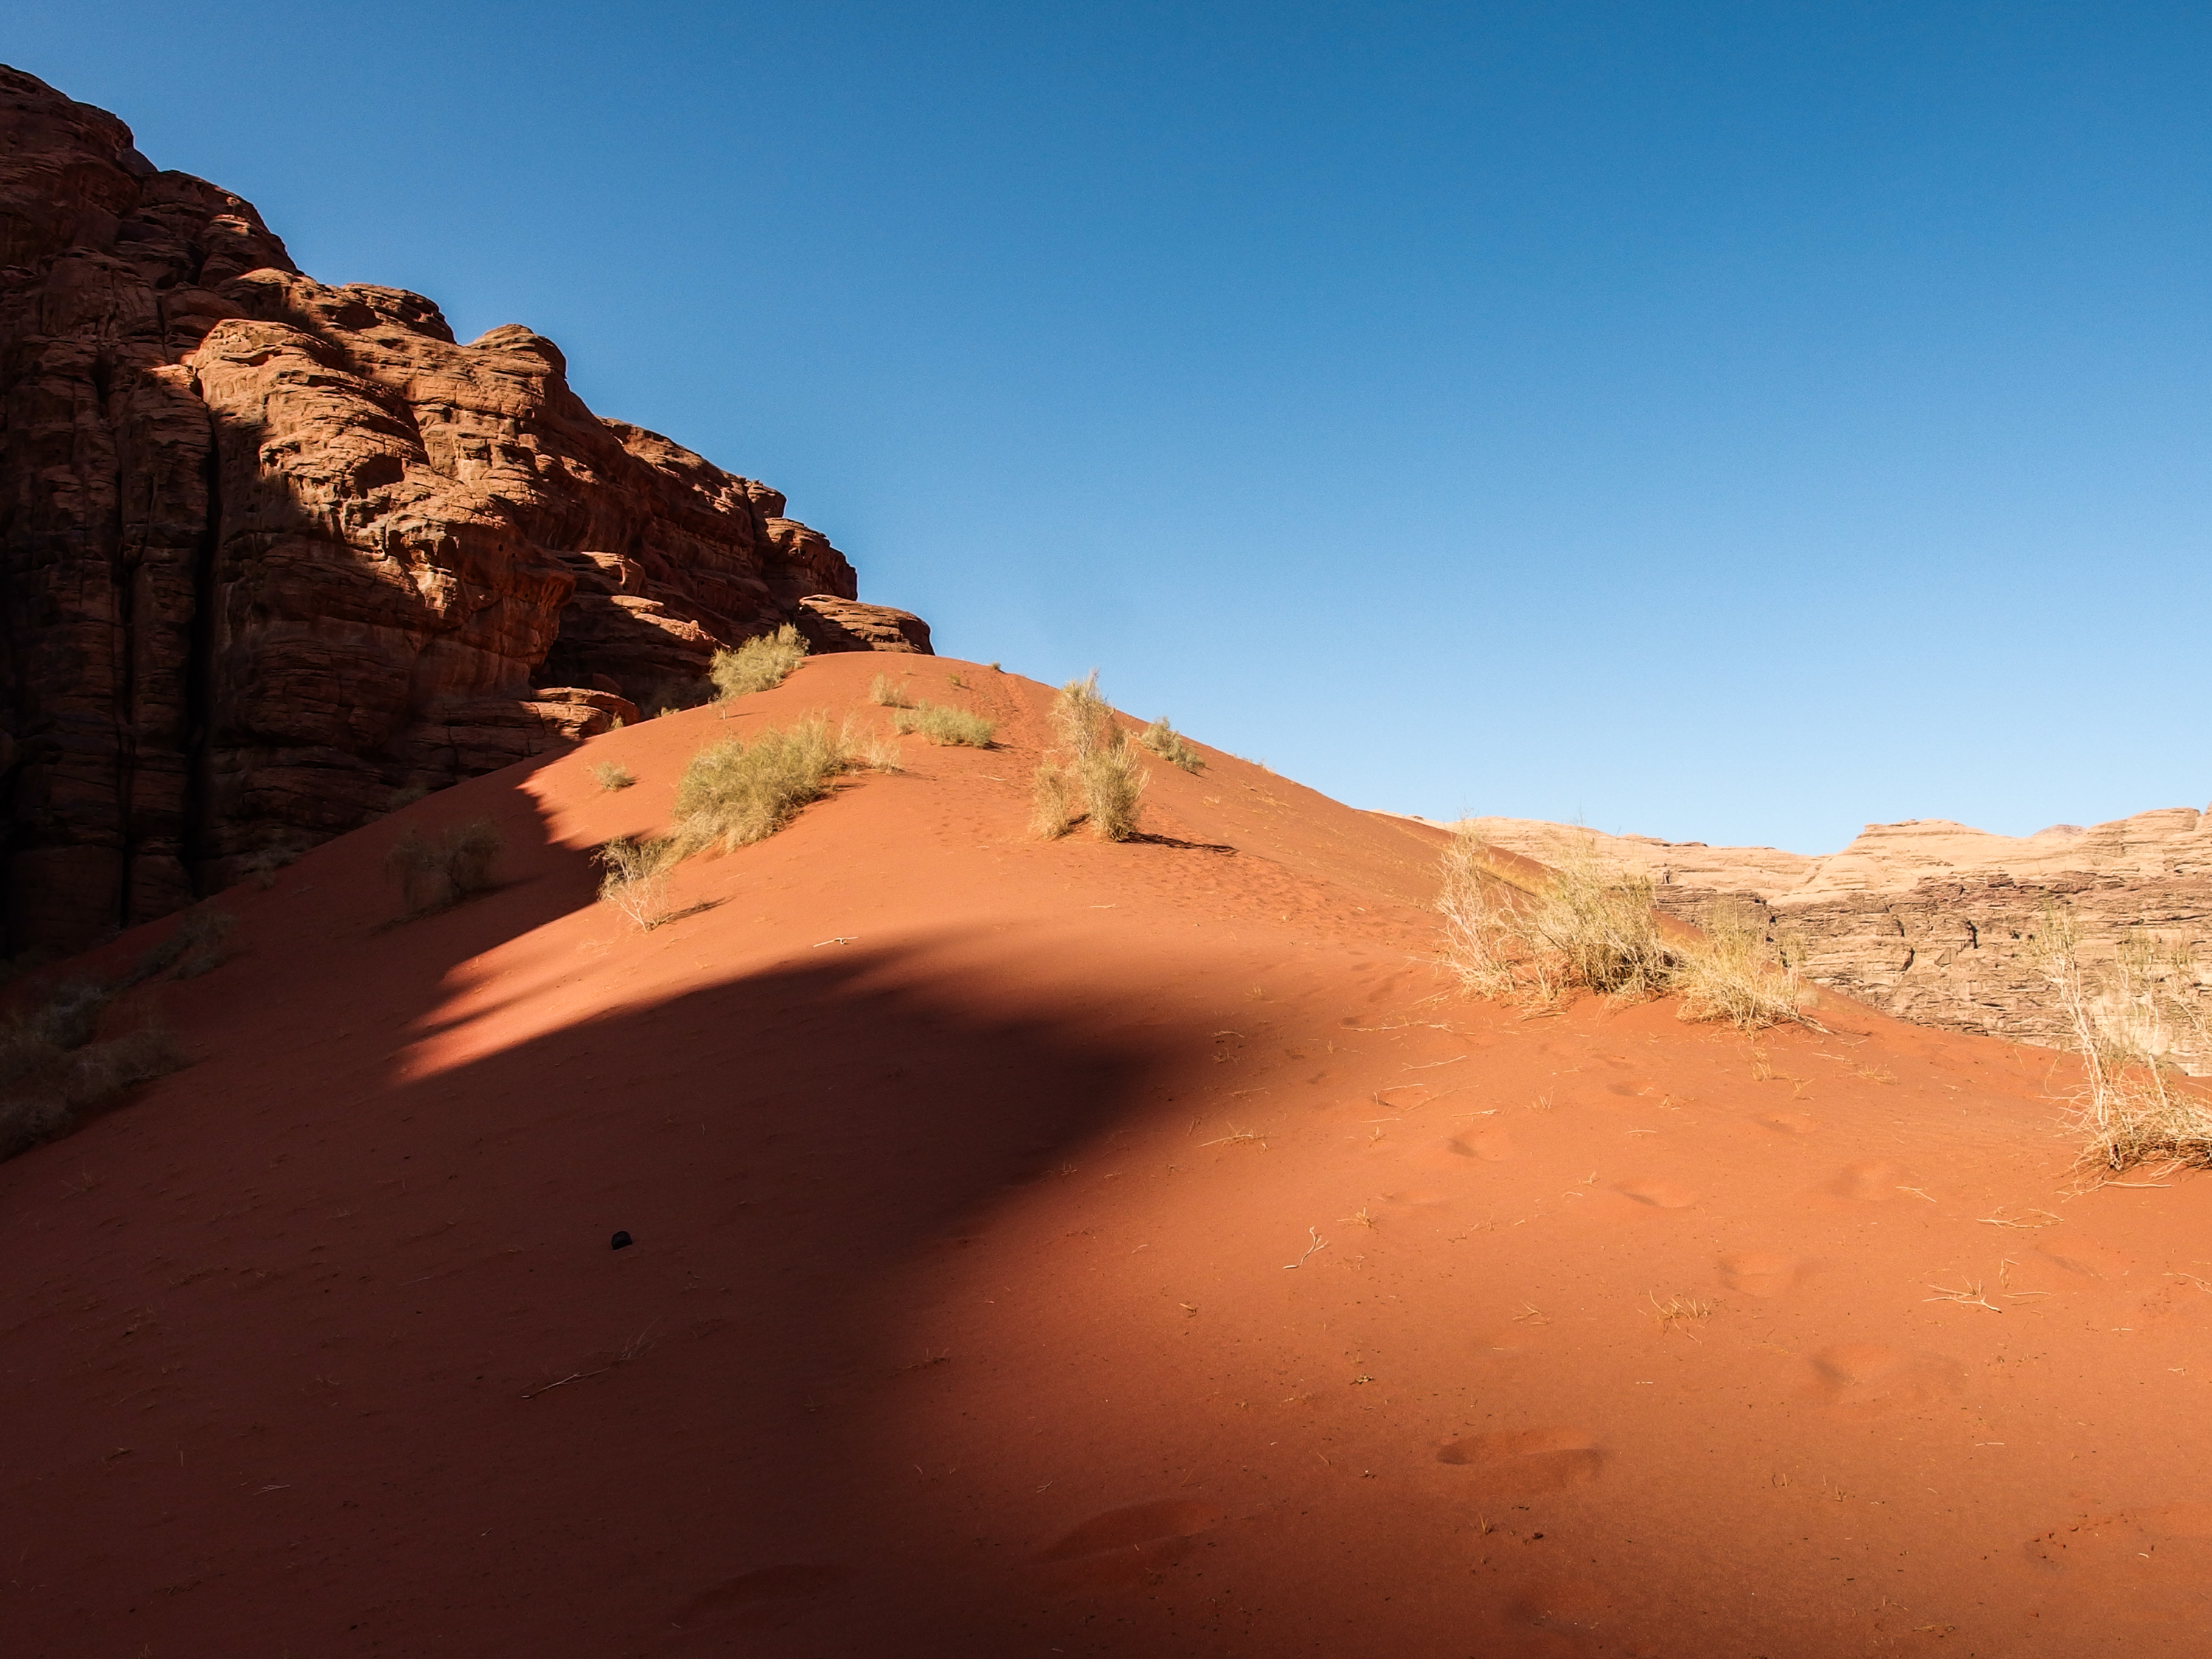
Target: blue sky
{"points": [[1732, 422]]}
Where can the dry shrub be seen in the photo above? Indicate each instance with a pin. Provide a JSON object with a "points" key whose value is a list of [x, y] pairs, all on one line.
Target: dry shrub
{"points": [[613, 775], [263, 862], [758, 665], [734, 793], [433, 872], [200, 945], [1731, 974], [884, 691], [1114, 782], [636, 879], [2137, 1026], [1097, 762], [1052, 812], [1169, 744], [868, 751], [941, 725], [1581, 926], [51, 1068]]}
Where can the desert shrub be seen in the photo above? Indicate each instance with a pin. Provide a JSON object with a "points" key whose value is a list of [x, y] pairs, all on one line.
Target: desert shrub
{"points": [[636, 879], [1114, 782], [1169, 744], [888, 693], [1052, 812], [868, 751], [263, 862], [435, 871], [200, 945], [758, 665], [1581, 926], [1730, 973], [941, 725], [613, 775], [1097, 759], [734, 792], [2135, 1024], [52, 1067], [406, 795]]}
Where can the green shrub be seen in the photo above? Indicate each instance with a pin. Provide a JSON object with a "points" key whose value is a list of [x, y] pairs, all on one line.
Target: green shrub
{"points": [[437, 870], [734, 793], [941, 725], [758, 665], [1170, 746]]}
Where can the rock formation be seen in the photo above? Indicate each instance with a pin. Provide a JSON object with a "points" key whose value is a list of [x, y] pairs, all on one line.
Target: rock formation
{"points": [[274, 550], [1933, 921]]}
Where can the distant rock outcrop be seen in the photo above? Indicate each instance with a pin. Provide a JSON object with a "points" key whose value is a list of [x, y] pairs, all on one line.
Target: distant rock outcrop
{"points": [[275, 550], [1931, 920]]}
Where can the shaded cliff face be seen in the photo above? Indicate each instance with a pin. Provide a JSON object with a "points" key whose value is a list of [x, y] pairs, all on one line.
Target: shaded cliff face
{"points": [[274, 550], [1933, 921]]}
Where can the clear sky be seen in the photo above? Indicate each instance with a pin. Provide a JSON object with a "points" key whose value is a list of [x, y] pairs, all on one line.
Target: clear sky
{"points": [[1731, 422]]}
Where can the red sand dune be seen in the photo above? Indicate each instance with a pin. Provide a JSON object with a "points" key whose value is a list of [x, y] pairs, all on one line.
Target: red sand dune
{"points": [[1062, 1249]]}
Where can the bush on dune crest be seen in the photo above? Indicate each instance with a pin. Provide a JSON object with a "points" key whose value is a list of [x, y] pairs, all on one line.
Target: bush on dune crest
{"points": [[1581, 926], [758, 665], [944, 725], [1096, 776]]}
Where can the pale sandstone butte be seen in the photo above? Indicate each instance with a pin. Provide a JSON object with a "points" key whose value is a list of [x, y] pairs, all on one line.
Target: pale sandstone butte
{"points": [[1931, 920], [274, 550]]}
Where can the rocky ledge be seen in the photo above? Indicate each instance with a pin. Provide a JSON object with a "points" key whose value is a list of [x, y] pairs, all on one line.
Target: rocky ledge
{"points": [[275, 551]]}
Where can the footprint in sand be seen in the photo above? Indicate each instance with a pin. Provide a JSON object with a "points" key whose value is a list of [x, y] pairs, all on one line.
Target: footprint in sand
{"points": [[2088, 1261], [1868, 1378], [1125, 1546], [1658, 1194], [1868, 1183], [1757, 1272], [1491, 1145], [767, 1598], [1523, 1463]]}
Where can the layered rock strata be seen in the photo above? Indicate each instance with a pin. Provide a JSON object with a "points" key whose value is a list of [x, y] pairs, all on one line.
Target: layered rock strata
{"points": [[1932, 921], [274, 550]]}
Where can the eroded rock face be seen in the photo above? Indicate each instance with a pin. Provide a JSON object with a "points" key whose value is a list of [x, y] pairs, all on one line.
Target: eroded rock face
{"points": [[1932, 921], [274, 550]]}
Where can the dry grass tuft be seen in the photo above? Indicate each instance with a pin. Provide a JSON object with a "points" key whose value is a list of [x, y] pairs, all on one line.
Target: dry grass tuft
{"points": [[636, 879], [437, 870], [1052, 803], [613, 775], [52, 1067], [867, 750], [1581, 926], [734, 793], [2136, 1025], [199, 945], [886, 692], [759, 663], [1169, 744], [1097, 763], [946, 726]]}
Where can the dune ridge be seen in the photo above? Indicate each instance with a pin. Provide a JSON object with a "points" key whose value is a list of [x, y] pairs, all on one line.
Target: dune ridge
{"points": [[1109, 1249]]}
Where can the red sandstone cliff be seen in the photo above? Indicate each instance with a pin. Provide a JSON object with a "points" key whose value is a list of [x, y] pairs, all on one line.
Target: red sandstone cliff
{"points": [[273, 550]]}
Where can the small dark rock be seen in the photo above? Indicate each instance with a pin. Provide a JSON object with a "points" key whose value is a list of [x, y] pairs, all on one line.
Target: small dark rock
{"points": [[623, 1241]]}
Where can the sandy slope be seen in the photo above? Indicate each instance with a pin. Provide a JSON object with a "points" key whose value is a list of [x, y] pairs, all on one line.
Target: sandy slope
{"points": [[976, 1306]]}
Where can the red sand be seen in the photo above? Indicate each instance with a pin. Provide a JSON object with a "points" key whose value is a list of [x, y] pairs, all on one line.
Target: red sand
{"points": [[977, 1305]]}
